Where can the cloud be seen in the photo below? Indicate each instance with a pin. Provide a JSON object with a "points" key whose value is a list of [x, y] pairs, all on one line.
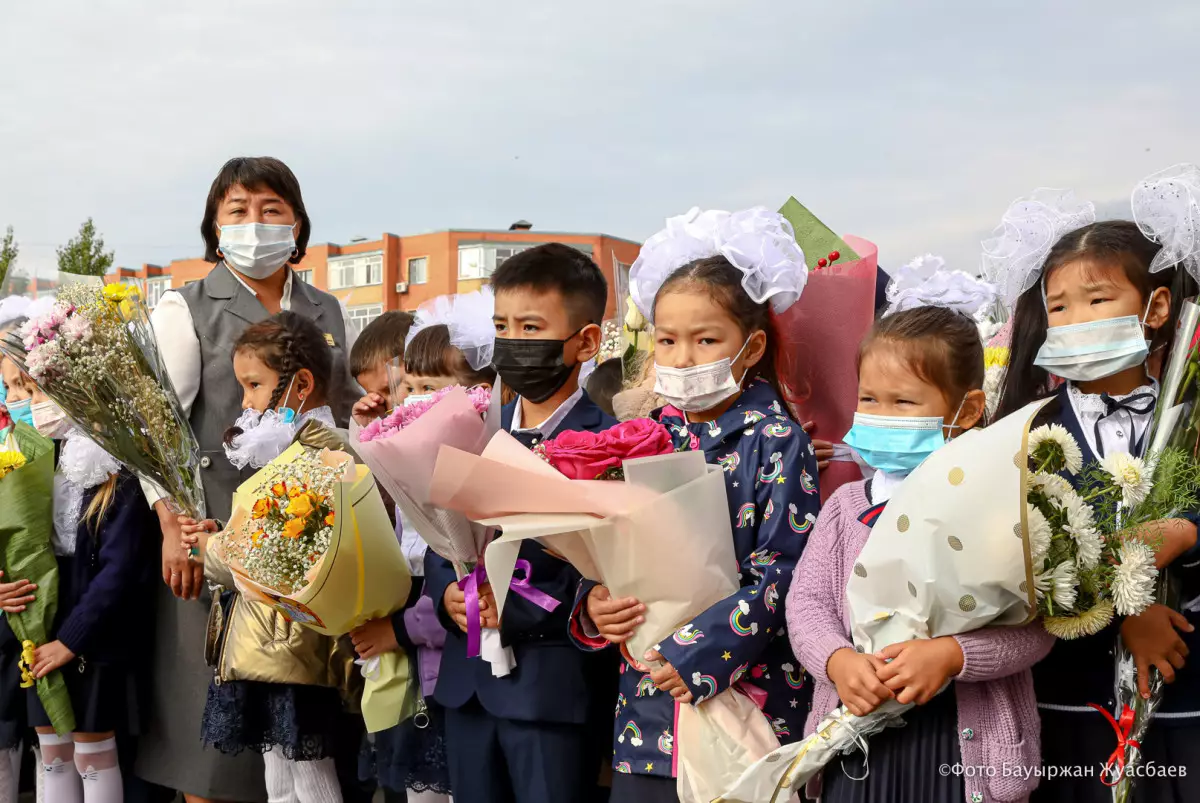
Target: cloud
{"points": [[914, 124]]}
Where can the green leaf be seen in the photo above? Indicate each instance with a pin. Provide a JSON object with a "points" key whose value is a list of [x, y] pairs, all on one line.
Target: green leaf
{"points": [[814, 237]]}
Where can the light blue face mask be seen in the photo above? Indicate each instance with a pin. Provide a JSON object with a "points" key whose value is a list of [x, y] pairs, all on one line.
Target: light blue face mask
{"points": [[21, 411], [1085, 352], [897, 444]]}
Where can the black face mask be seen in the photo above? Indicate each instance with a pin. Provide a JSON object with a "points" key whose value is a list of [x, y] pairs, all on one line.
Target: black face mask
{"points": [[533, 368]]}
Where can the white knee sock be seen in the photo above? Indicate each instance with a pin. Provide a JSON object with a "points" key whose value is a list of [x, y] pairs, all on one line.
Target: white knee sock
{"points": [[281, 786], [10, 769], [427, 797], [61, 782], [317, 781], [101, 774]]}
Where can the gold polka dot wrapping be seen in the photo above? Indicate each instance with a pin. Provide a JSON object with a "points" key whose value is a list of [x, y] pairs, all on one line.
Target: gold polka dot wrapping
{"points": [[902, 523], [860, 570], [966, 603], [1017, 530], [955, 543], [912, 589], [957, 475]]}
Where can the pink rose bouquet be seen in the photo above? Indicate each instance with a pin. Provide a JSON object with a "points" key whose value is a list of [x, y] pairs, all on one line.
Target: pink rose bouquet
{"points": [[600, 455], [403, 416]]}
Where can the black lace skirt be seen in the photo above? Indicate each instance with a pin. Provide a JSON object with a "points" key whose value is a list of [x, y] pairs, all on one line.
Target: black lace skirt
{"points": [[407, 757], [304, 722]]}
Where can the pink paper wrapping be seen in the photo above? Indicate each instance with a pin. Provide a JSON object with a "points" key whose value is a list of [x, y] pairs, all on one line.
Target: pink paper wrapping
{"points": [[820, 336], [618, 533], [404, 462]]}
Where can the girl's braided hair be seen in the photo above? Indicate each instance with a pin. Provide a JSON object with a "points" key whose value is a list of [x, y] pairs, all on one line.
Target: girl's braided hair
{"points": [[287, 343]]}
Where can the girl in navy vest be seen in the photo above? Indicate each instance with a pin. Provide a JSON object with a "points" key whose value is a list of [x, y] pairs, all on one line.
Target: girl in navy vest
{"points": [[104, 544], [710, 282], [1091, 309]]}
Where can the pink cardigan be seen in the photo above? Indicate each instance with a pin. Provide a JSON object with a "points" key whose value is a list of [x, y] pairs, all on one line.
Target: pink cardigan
{"points": [[997, 713]]}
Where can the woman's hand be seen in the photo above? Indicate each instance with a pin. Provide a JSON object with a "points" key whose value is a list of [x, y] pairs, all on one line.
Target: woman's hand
{"points": [[49, 657], [368, 408], [184, 577], [667, 678], [856, 677], [823, 449], [615, 619], [917, 670], [16, 595], [1153, 639], [376, 637], [195, 533]]}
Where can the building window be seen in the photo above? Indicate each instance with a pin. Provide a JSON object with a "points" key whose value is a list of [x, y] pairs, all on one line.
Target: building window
{"points": [[418, 270], [355, 271], [304, 276], [362, 315], [480, 260], [154, 290]]}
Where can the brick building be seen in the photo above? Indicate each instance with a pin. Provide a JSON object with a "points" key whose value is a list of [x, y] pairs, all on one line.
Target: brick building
{"points": [[399, 273]]}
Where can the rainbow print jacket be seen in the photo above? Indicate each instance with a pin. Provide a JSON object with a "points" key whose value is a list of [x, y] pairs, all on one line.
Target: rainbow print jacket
{"points": [[771, 479]]}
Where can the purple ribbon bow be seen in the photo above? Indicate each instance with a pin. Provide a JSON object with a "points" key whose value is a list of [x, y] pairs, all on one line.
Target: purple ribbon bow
{"points": [[523, 586]]}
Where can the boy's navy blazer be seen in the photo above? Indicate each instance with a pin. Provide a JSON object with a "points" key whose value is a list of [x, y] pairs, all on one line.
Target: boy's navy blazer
{"points": [[549, 683]]}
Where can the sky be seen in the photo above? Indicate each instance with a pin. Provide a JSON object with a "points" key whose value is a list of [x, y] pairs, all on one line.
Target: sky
{"points": [[913, 123]]}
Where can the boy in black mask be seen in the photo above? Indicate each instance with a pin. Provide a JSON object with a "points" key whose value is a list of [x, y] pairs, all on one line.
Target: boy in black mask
{"points": [[538, 734]]}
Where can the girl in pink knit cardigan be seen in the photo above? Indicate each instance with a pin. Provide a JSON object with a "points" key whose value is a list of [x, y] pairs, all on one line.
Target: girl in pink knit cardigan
{"points": [[977, 741]]}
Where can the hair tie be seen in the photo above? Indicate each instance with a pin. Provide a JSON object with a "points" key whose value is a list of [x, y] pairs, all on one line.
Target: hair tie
{"points": [[468, 319], [1166, 208]]}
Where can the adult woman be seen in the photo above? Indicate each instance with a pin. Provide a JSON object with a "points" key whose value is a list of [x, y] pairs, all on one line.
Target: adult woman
{"points": [[255, 226]]}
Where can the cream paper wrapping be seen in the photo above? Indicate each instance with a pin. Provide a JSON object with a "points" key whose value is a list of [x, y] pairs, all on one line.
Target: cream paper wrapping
{"points": [[949, 554], [362, 576], [662, 536]]}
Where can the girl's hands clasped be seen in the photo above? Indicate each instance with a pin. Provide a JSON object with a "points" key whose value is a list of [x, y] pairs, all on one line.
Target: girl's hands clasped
{"points": [[857, 680], [917, 670]]}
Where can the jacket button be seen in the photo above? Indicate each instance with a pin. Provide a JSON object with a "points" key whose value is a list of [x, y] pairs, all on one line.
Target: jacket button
{"points": [[976, 797], [205, 461], [968, 734]]}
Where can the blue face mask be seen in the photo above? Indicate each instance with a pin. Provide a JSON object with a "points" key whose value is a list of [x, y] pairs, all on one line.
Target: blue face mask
{"points": [[896, 444], [21, 411]]}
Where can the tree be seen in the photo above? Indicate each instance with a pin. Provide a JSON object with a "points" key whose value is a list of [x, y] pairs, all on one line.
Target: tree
{"points": [[84, 255], [8, 255]]}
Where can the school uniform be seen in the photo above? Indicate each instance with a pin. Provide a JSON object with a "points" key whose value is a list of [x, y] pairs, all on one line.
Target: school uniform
{"points": [[522, 737], [1082, 671], [770, 472], [105, 614]]}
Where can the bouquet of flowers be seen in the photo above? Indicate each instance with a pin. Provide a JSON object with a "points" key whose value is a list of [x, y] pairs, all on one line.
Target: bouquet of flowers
{"points": [[602, 455], [26, 499], [942, 561], [95, 355], [402, 449]]}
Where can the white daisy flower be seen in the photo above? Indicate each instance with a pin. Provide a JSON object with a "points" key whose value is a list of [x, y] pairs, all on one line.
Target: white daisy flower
{"points": [[1052, 485], [1039, 535], [1060, 584], [1130, 474], [1082, 527], [1133, 582], [1057, 435]]}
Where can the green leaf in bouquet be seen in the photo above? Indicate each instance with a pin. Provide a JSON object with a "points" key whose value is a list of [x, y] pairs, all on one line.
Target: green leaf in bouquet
{"points": [[815, 238], [26, 497]]}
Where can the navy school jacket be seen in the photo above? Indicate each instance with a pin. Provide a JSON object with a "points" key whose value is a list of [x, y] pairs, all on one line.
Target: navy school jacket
{"points": [[1081, 671], [106, 589], [550, 681], [771, 480]]}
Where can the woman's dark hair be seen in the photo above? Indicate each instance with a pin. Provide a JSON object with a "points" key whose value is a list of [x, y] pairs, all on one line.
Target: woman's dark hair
{"points": [[1110, 243], [254, 173], [286, 343], [605, 382], [723, 283], [941, 346], [431, 354]]}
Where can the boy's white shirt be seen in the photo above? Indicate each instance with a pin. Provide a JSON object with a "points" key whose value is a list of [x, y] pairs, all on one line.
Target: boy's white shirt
{"points": [[547, 427]]}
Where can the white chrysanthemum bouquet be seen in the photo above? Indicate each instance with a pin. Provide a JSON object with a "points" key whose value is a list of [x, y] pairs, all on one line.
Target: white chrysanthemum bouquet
{"points": [[1089, 559]]}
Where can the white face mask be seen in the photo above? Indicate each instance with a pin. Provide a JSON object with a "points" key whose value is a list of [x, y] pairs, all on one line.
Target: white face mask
{"points": [[49, 419], [698, 387], [1084, 352], [257, 250], [417, 398]]}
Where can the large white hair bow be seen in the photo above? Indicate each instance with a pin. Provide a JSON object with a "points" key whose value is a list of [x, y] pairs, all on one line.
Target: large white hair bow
{"points": [[758, 242], [1166, 207], [468, 318], [1013, 256], [925, 282]]}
